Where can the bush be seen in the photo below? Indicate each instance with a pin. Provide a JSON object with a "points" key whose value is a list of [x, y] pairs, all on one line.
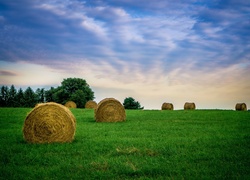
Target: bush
{"points": [[130, 103]]}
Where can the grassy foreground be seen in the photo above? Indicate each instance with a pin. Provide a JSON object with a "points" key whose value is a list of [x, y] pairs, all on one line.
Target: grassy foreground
{"points": [[151, 144]]}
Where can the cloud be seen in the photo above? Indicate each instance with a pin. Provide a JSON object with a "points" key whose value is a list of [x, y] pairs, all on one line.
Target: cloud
{"points": [[27, 74], [180, 84], [7, 73], [112, 29], [148, 49], [75, 11], [2, 19]]}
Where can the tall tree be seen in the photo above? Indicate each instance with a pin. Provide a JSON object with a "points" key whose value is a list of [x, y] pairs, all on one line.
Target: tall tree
{"points": [[78, 90], [74, 89], [12, 97], [20, 98], [29, 98], [79, 97], [4, 96], [40, 95], [49, 94]]}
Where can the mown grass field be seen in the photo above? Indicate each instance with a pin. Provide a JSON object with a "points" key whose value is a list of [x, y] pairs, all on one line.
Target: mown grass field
{"points": [[151, 144]]}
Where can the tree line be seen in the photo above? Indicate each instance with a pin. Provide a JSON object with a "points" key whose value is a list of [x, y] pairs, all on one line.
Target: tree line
{"points": [[71, 89], [11, 97]]}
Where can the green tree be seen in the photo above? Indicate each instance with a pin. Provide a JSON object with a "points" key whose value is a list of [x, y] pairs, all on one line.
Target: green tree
{"points": [[60, 95], [71, 89], [20, 98], [79, 97], [130, 103], [4, 96], [29, 98], [49, 94], [12, 97], [56, 95], [40, 95]]}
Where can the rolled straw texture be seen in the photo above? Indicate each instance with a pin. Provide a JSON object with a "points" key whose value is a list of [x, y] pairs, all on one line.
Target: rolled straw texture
{"points": [[240, 107], [189, 106], [70, 104], [110, 110], [91, 105], [48, 123], [167, 106]]}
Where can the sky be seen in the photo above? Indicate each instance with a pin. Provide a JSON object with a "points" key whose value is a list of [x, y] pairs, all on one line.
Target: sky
{"points": [[154, 51]]}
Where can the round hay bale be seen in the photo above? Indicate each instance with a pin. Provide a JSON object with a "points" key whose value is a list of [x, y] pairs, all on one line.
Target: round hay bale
{"points": [[70, 104], [110, 110], [48, 123], [167, 106], [38, 104], [91, 105], [240, 107], [189, 106]]}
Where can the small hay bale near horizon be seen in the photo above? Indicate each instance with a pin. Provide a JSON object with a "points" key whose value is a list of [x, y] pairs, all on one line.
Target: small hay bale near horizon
{"points": [[189, 106], [48, 123], [91, 105], [110, 110], [167, 106], [70, 104], [241, 107]]}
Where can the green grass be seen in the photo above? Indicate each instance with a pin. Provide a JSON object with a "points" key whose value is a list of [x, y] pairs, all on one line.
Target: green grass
{"points": [[151, 144]]}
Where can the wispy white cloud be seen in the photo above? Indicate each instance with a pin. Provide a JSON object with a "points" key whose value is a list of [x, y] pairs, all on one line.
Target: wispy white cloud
{"points": [[76, 11], [181, 84], [178, 50]]}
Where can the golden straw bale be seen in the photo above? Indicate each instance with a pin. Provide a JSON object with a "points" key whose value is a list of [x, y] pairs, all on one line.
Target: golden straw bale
{"points": [[38, 104], [110, 110], [91, 105], [189, 106], [240, 107], [48, 123], [167, 106], [70, 104]]}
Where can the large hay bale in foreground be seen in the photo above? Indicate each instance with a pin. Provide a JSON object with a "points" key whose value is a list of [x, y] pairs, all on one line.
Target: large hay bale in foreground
{"points": [[91, 105], [70, 104], [240, 107], [167, 106], [189, 106], [48, 123], [110, 110]]}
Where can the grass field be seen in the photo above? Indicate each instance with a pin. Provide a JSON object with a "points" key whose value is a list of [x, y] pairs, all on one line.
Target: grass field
{"points": [[151, 144]]}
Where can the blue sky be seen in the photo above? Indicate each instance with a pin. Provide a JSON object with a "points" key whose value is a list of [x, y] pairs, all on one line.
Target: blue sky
{"points": [[155, 51]]}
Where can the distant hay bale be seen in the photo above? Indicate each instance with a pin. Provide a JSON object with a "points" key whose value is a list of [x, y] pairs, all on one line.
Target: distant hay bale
{"points": [[91, 105], [240, 107], [48, 123], [70, 104], [167, 106], [110, 110], [189, 106]]}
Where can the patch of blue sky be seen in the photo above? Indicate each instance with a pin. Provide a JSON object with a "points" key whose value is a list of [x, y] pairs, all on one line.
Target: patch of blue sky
{"points": [[104, 41]]}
